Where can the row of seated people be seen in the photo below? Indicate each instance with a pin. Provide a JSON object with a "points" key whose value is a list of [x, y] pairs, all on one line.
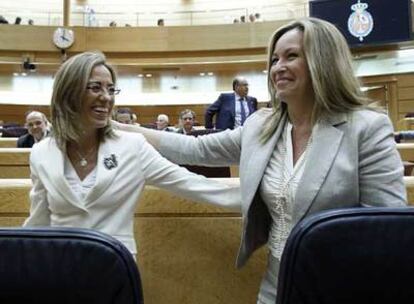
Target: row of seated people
{"points": [[38, 127]]}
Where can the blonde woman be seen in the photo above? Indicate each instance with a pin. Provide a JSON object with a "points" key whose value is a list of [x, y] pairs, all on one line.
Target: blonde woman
{"points": [[318, 148], [91, 176]]}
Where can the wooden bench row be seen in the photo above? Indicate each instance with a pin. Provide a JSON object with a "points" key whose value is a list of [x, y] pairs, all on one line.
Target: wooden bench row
{"points": [[186, 250], [8, 142], [14, 162]]}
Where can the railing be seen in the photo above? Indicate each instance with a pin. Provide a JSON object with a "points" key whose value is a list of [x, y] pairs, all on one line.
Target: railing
{"points": [[90, 17]]}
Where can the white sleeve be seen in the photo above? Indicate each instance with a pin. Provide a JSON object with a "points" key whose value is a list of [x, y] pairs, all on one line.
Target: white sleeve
{"points": [[162, 173], [39, 207], [217, 149]]}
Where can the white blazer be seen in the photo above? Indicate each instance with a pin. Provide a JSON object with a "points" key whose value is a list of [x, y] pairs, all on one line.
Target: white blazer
{"points": [[125, 163], [352, 161]]}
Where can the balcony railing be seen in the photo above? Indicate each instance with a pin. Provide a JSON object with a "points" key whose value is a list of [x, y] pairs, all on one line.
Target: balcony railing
{"points": [[87, 16]]}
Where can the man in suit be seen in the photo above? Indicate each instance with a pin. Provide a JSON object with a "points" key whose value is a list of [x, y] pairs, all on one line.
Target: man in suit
{"points": [[231, 109], [37, 127]]}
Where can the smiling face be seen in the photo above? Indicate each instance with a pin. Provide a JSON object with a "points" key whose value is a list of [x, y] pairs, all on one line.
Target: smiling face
{"points": [[289, 70], [97, 104], [36, 125]]}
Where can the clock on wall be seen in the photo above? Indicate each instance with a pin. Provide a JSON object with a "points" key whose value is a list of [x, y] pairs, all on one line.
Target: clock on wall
{"points": [[63, 38]]}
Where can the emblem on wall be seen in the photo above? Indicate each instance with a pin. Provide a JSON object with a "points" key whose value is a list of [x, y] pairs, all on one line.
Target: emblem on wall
{"points": [[360, 22]]}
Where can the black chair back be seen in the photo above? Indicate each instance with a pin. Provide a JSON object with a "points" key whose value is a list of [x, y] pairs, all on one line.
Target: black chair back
{"points": [[361, 255], [63, 265]]}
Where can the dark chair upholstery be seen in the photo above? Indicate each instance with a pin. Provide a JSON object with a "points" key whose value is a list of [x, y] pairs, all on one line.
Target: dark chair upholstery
{"points": [[13, 131], [353, 256], [63, 265]]}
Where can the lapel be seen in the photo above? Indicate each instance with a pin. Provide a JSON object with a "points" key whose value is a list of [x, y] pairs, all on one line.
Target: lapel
{"points": [[250, 105], [232, 103], [107, 168], [257, 159], [323, 150], [54, 165]]}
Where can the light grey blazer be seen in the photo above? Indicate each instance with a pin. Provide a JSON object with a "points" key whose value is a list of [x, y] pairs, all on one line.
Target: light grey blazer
{"points": [[352, 161]]}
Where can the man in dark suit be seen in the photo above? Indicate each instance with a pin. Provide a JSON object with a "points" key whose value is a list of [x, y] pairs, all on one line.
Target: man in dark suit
{"points": [[231, 109], [37, 127]]}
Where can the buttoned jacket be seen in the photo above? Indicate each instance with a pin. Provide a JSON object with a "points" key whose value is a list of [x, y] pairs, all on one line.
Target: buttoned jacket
{"points": [[224, 108]]}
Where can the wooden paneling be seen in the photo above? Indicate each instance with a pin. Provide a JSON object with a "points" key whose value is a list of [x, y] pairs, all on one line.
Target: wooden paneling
{"points": [[10, 142], [405, 80], [406, 106], [143, 39], [406, 151], [406, 93], [14, 162], [17, 113], [378, 94], [388, 83], [146, 114]]}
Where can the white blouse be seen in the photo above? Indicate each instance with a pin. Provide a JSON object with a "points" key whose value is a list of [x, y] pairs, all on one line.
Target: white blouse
{"points": [[278, 189], [79, 187]]}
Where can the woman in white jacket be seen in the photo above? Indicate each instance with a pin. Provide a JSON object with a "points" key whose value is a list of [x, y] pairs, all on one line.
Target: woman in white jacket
{"points": [[91, 176]]}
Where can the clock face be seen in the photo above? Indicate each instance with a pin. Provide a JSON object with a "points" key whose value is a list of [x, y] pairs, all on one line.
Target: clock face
{"points": [[63, 38]]}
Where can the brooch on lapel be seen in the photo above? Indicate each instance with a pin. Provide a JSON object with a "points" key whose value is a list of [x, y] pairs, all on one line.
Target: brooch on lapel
{"points": [[110, 162]]}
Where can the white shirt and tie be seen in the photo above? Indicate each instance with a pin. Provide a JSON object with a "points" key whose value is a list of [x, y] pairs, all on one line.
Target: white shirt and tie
{"points": [[240, 115]]}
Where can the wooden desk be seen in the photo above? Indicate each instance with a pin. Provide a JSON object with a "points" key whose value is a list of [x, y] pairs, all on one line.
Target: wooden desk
{"points": [[8, 142], [406, 123], [186, 250], [406, 151], [14, 162]]}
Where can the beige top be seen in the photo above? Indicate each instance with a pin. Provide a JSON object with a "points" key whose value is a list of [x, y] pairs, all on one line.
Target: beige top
{"points": [[278, 189]]}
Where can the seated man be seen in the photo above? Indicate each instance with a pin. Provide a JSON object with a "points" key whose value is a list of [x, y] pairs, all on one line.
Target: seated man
{"points": [[38, 128], [124, 115], [162, 123], [186, 122]]}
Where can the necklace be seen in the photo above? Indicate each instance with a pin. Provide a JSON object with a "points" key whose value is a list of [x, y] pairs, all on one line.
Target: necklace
{"points": [[286, 182], [83, 159]]}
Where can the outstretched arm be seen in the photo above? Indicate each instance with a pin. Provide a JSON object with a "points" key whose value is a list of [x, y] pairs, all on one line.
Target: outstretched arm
{"points": [[218, 149], [162, 173], [152, 136]]}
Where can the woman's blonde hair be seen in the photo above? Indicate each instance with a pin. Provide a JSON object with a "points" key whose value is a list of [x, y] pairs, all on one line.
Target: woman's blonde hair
{"points": [[335, 87], [69, 90]]}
